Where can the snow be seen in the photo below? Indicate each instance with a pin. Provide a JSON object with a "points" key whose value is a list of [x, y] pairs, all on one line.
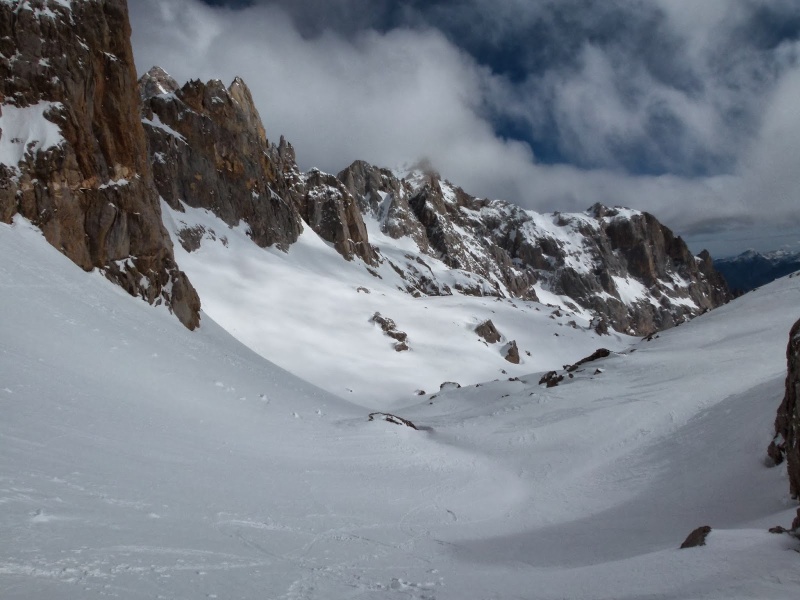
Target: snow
{"points": [[303, 310], [141, 460], [159, 124], [26, 131]]}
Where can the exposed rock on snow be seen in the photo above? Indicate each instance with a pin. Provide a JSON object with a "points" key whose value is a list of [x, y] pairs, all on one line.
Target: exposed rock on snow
{"points": [[210, 150], [83, 176], [787, 423], [390, 418], [621, 264], [597, 354], [488, 332], [697, 537]]}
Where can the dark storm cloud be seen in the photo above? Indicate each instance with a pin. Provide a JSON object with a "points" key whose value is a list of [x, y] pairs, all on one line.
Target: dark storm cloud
{"points": [[680, 107]]}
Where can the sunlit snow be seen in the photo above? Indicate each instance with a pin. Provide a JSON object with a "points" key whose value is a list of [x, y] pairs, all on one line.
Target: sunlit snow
{"points": [[141, 460]]}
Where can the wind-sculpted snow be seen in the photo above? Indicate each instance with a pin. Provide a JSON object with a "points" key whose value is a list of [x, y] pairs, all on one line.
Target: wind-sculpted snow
{"points": [[143, 460]]}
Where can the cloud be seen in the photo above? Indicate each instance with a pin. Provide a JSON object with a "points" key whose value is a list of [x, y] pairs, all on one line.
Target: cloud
{"points": [[680, 108]]}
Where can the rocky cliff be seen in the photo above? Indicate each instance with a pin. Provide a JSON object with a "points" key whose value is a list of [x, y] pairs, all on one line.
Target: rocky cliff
{"points": [[73, 154], [210, 150], [786, 444]]}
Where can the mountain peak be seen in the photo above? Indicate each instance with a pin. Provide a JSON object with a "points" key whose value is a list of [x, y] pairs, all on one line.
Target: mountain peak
{"points": [[156, 82]]}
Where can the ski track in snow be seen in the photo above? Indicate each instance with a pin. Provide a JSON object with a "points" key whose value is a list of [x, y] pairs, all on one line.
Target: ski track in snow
{"points": [[140, 460]]}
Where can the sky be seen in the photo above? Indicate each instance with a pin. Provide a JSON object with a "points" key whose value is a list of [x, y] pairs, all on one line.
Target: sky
{"points": [[685, 109]]}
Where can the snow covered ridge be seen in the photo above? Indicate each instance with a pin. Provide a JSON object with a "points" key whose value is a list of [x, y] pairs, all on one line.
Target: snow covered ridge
{"points": [[141, 460], [752, 269]]}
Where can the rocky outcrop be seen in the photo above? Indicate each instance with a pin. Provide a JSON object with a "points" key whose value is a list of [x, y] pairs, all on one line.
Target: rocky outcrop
{"points": [[623, 265], [76, 163], [389, 327], [332, 212], [786, 444], [210, 150], [696, 538], [511, 352]]}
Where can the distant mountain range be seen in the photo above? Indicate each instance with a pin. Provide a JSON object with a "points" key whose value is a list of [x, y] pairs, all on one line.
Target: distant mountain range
{"points": [[752, 269]]}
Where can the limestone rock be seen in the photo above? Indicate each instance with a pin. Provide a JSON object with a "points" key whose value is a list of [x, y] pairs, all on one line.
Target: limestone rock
{"points": [[389, 327], [88, 186], [787, 422], [210, 150], [390, 418], [449, 385], [488, 332], [596, 355], [511, 352]]}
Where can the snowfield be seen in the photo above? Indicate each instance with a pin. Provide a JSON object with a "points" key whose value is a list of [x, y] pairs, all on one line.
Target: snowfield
{"points": [[310, 311], [141, 460]]}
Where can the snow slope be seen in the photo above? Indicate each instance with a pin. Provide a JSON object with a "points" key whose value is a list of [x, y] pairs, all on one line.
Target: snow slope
{"points": [[140, 460], [310, 311]]}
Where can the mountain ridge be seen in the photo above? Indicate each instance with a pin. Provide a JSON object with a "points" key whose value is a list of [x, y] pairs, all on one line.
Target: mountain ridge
{"points": [[623, 265]]}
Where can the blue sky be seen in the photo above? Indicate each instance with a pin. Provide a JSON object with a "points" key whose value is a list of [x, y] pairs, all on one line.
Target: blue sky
{"points": [[682, 108]]}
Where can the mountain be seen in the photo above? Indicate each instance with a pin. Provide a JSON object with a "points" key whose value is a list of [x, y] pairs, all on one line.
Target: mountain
{"points": [[73, 153], [752, 269], [141, 459], [209, 150]]}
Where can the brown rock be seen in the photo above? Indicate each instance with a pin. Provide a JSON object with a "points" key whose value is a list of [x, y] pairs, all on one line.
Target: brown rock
{"points": [[390, 418], [596, 355], [512, 352], [92, 195], [488, 332], [551, 379], [333, 213], [697, 537], [787, 422]]}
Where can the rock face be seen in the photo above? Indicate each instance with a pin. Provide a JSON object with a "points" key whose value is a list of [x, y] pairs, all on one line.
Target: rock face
{"points": [[696, 538], [787, 423], [77, 163], [488, 332], [210, 150], [624, 265]]}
